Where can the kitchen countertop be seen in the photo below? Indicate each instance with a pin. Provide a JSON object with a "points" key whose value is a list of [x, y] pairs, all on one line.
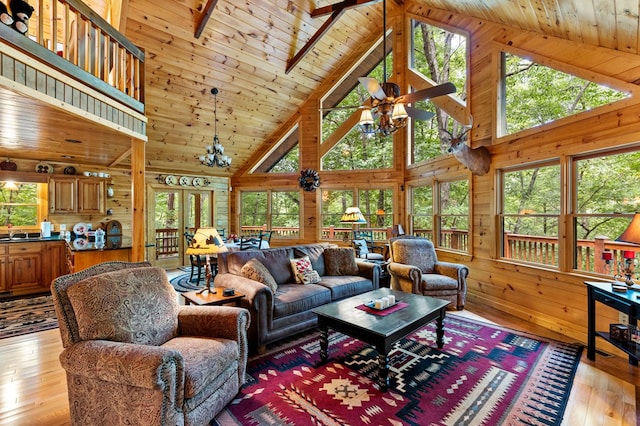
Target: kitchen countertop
{"points": [[111, 243]]}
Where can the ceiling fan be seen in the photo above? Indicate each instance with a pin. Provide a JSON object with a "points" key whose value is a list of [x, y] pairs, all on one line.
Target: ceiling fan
{"points": [[386, 103]]}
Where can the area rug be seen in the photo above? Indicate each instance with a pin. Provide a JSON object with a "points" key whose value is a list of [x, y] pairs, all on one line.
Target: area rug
{"points": [[182, 284], [484, 375], [27, 315]]}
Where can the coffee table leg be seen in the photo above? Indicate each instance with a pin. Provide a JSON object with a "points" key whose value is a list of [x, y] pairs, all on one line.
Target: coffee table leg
{"points": [[324, 343], [440, 329], [383, 370]]}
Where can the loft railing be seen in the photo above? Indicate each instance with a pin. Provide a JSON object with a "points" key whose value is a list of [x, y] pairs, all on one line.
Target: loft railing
{"points": [[102, 57]]}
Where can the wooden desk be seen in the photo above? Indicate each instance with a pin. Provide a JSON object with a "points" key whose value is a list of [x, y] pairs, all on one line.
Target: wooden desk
{"points": [[211, 299], [628, 302]]}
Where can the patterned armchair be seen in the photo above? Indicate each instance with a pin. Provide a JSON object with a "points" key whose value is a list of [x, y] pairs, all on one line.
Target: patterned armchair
{"points": [[134, 356], [414, 268]]}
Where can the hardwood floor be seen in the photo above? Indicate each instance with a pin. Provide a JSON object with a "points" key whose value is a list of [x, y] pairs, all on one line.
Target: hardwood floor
{"points": [[33, 385]]}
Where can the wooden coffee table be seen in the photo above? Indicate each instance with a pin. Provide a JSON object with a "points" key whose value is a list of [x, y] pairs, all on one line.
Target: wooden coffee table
{"points": [[380, 331], [211, 299]]}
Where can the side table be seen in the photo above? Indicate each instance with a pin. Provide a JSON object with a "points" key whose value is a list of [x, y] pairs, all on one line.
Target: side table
{"points": [[628, 302], [211, 299]]}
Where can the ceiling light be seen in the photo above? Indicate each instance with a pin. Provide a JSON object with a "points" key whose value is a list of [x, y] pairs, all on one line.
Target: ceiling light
{"points": [[215, 156]]}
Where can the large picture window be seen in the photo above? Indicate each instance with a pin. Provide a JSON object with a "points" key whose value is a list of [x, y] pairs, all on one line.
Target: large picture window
{"points": [[604, 205], [422, 211], [278, 211], [530, 212]]}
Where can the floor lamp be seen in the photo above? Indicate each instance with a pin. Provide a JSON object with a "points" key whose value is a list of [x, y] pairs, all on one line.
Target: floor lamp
{"points": [[206, 242]]}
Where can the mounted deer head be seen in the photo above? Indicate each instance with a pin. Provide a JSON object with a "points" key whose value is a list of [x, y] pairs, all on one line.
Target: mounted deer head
{"points": [[477, 160]]}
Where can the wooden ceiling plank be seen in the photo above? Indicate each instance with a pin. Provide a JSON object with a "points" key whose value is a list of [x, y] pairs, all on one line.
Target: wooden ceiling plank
{"points": [[627, 25], [204, 17]]}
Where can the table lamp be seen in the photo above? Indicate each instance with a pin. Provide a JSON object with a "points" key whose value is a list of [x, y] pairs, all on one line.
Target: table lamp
{"points": [[206, 241]]}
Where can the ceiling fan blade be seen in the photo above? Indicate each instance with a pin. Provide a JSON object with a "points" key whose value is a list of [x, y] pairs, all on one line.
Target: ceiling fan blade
{"points": [[418, 114], [432, 92], [373, 87]]}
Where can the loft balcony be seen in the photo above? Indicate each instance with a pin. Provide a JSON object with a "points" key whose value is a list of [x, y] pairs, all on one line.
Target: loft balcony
{"points": [[72, 77]]}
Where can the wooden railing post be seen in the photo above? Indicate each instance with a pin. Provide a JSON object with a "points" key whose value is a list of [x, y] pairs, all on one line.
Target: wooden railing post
{"points": [[599, 263]]}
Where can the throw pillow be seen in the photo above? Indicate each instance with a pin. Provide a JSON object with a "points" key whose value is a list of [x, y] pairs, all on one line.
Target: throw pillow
{"points": [[300, 266], [340, 261], [255, 270]]}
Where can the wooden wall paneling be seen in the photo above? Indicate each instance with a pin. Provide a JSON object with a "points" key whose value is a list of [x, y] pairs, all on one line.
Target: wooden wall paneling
{"points": [[138, 232]]}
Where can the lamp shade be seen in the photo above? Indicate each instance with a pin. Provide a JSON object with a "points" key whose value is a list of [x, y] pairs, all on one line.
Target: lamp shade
{"points": [[206, 241], [353, 215], [366, 117], [632, 233]]}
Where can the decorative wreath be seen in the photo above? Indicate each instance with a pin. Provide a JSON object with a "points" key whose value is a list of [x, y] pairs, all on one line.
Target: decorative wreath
{"points": [[309, 180]]}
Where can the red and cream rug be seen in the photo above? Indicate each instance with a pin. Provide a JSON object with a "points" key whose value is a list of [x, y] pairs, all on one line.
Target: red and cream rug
{"points": [[484, 375]]}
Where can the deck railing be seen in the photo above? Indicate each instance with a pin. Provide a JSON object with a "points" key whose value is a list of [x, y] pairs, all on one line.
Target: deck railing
{"points": [[73, 31], [528, 248]]}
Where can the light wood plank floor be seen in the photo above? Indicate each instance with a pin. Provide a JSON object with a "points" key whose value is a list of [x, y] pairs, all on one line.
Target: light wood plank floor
{"points": [[33, 385]]}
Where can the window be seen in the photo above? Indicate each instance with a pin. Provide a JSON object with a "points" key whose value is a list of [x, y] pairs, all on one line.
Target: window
{"points": [[535, 94], [374, 203], [422, 211], [22, 206], [334, 204], [283, 157], [278, 211], [453, 217], [530, 212], [438, 56], [354, 151], [605, 202]]}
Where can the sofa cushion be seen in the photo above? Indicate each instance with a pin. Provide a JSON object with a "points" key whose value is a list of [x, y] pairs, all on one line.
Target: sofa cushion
{"points": [[135, 305], [309, 277], [255, 270], [204, 361], [294, 298], [346, 286], [340, 261], [276, 260]]}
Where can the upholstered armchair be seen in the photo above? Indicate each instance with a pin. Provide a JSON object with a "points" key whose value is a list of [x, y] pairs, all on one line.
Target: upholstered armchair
{"points": [[414, 268], [134, 356]]}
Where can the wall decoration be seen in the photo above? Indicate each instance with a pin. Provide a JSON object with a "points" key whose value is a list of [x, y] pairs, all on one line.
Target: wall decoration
{"points": [[309, 180]]}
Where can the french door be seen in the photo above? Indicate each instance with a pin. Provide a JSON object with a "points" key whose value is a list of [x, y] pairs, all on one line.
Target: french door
{"points": [[174, 211]]}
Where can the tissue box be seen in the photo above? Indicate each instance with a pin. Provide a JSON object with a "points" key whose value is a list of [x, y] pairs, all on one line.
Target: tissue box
{"points": [[619, 332]]}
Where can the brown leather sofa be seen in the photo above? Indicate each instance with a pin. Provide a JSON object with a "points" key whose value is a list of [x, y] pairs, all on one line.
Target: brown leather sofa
{"points": [[288, 310]]}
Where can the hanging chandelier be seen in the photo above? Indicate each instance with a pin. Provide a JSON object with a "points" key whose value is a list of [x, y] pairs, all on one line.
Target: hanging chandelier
{"points": [[215, 156]]}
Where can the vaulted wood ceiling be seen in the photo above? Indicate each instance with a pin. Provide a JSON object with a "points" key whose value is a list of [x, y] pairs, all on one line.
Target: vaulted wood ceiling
{"points": [[244, 50]]}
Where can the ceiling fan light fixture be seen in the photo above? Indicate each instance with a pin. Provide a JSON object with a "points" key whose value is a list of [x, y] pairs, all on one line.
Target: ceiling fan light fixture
{"points": [[366, 117], [399, 112]]}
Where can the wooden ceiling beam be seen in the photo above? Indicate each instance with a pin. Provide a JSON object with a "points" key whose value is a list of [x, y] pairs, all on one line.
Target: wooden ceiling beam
{"points": [[346, 4], [204, 18]]}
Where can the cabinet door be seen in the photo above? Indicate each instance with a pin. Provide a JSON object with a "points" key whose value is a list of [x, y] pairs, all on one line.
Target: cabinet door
{"points": [[54, 262], [24, 271], [3, 274], [91, 196], [62, 195]]}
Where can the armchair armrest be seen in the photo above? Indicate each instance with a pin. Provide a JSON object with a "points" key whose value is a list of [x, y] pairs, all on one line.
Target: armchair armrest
{"points": [[145, 366], [408, 276], [224, 322], [456, 271]]}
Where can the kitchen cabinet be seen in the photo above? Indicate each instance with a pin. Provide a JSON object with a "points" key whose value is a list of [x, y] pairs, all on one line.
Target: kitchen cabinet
{"points": [[29, 267], [24, 269], [77, 195]]}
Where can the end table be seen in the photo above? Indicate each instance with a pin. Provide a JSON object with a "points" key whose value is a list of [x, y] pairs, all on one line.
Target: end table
{"points": [[211, 299]]}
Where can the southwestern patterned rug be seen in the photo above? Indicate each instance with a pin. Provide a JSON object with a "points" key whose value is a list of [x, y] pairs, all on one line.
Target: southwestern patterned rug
{"points": [[27, 315], [484, 375]]}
